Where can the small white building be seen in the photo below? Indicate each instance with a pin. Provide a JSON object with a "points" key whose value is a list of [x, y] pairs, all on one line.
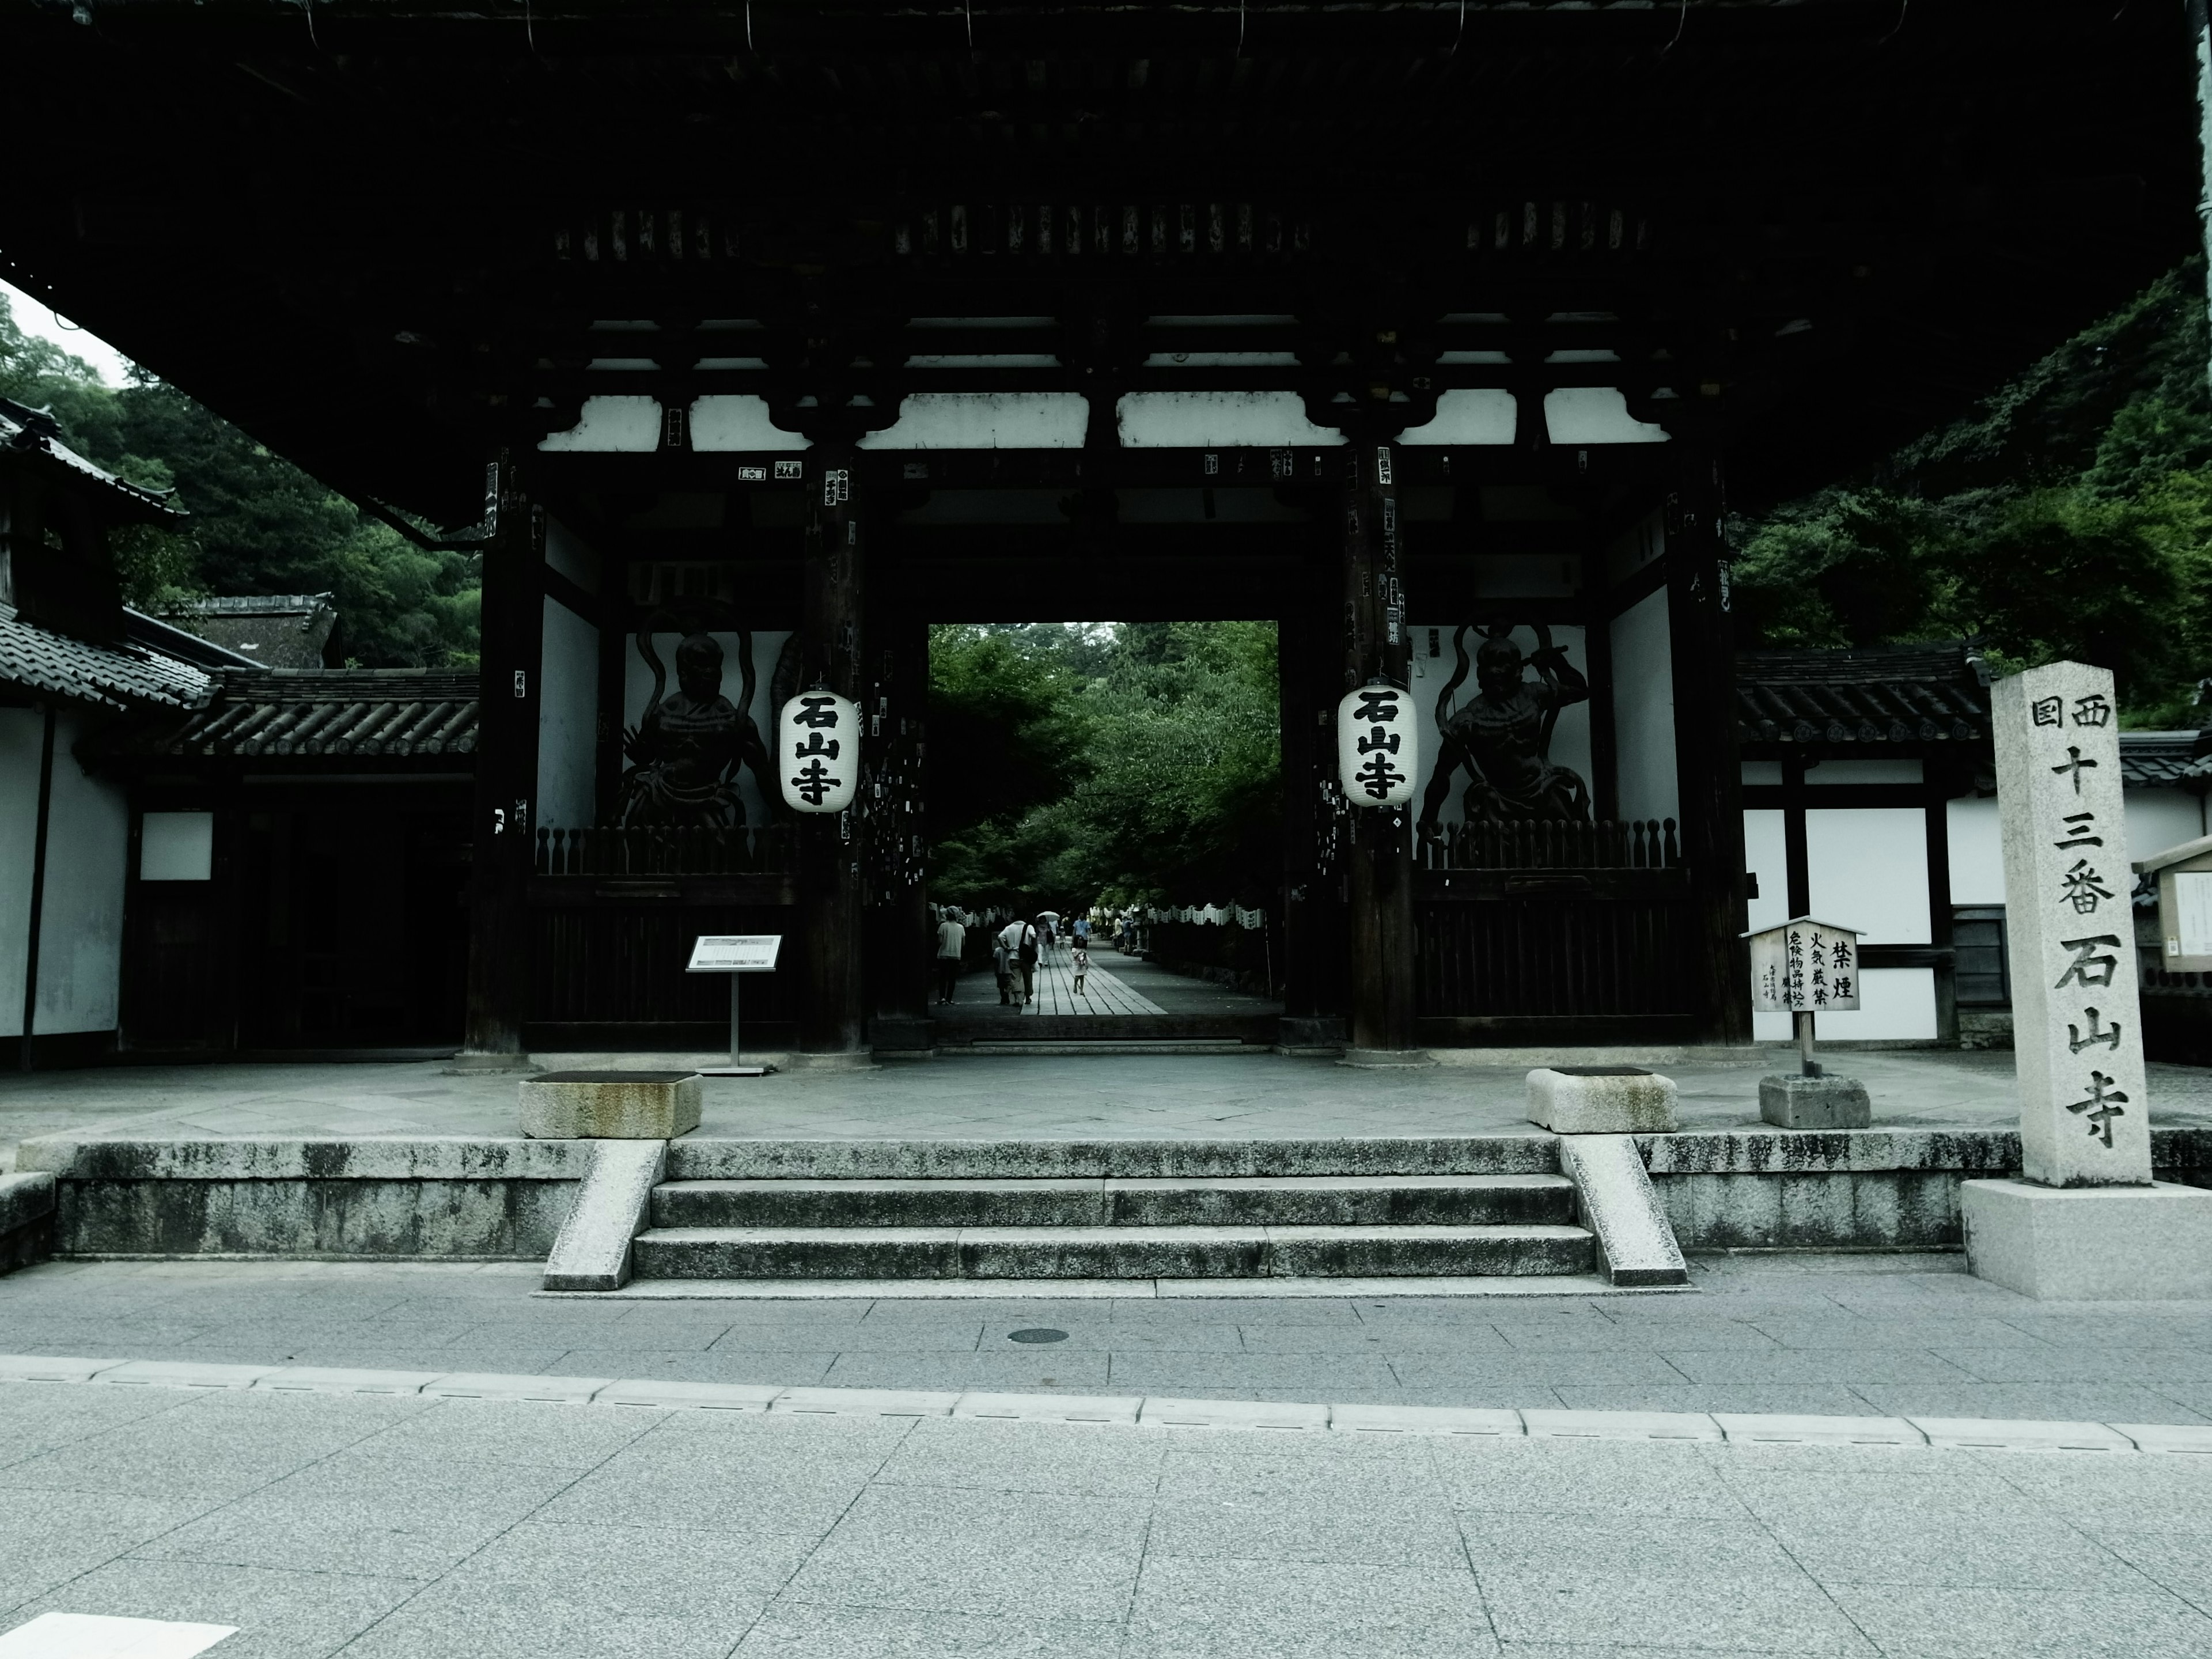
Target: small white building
{"points": [[1870, 795], [73, 661]]}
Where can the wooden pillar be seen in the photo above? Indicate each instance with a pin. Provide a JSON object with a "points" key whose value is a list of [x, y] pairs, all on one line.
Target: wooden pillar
{"points": [[1709, 775], [901, 939], [833, 1006], [501, 858], [1380, 862], [1941, 941], [1309, 682]]}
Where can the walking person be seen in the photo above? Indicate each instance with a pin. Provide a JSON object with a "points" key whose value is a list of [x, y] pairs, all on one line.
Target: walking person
{"points": [[1079, 959], [952, 936], [1017, 947], [1002, 962], [1032, 948]]}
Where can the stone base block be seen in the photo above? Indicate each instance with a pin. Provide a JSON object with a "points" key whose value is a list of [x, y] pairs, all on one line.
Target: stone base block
{"points": [[894, 1038], [471, 1061], [2090, 1243], [1814, 1103], [610, 1105], [845, 1060], [1601, 1100], [1310, 1038], [1374, 1060]]}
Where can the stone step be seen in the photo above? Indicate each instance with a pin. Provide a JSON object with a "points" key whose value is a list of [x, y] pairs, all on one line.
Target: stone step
{"points": [[1032, 1252], [697, 1157], [1246, 1202]]}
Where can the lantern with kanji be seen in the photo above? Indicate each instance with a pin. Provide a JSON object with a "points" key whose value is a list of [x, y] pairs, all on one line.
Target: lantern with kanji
{"points": [[1378, 747], [818, 751]]}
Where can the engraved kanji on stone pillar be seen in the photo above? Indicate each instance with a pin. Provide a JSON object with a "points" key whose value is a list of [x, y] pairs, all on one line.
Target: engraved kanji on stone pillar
{"points": [[2077, 1033]]}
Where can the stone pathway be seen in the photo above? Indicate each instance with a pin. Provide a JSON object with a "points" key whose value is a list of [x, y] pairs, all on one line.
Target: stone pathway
{"points": [[1851, 1334], [414, 1528], [1104, 992]]}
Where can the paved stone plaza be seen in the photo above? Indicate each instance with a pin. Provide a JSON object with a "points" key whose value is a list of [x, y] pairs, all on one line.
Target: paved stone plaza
{"points": [[421, 1528], [1032, 1097], [1851, 1334], [320, 1523]]}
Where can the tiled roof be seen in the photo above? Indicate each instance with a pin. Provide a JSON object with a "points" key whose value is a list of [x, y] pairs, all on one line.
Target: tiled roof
{"points": [[118, 676], [253, 605], [34, 431], [1883, 694], [2162, 760], [358, 712]]}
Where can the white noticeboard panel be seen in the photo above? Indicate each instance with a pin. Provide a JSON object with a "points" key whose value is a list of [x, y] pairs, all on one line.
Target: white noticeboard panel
{"points": [[176, 847], [2192, 904], [1804, 966], [734, 953]]}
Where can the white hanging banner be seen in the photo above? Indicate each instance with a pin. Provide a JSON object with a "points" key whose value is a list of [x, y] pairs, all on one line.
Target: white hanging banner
{"points": [[818, 736], [1378, 746]]}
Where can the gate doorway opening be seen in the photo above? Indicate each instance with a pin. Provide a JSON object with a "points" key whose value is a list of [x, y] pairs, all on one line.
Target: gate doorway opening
{"points": [[1114, 788]]}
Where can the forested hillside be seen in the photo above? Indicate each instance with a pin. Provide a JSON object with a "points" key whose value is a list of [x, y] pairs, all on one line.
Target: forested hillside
{"points": [[2068, 515], [257, 524]]}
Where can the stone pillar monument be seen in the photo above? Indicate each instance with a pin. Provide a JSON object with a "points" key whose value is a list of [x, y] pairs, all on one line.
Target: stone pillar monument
{"points": [[2085, 1219]]}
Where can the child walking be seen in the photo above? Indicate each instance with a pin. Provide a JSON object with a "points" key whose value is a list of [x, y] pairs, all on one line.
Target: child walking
{"points": [[1079, 959]]}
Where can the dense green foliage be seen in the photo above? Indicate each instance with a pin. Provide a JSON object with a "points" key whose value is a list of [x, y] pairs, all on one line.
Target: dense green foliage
{"points": [[1072, 764], [257, 524], [2070, 515]]}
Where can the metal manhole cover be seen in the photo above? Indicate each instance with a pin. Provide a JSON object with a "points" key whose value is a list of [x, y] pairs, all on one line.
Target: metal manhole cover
{"points": [[1036, 1335]]}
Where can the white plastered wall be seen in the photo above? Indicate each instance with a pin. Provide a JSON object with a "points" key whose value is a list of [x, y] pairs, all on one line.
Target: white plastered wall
{"points": [[1977, 851], [2160, 818], [19, 731], [87, 842], [1643, 710], [568, 720], [1867, 870]]}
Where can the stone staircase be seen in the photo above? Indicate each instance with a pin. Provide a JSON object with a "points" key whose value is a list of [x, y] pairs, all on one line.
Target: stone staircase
{"points": [[1484, 1206]]}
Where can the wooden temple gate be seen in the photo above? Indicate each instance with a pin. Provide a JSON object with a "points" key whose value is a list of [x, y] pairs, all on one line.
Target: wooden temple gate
{"points": [[817, 322]]}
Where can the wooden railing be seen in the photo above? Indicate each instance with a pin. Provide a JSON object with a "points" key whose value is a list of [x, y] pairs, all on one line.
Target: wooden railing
{"points": [[656, 850], [1541, 844]]}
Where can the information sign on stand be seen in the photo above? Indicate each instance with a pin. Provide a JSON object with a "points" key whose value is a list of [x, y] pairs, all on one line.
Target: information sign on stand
{"points": [[734, 954], [1803, 969]]}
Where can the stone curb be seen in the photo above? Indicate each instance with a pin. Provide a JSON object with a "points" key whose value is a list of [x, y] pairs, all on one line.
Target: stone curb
{"points": [[1741, 1428]]}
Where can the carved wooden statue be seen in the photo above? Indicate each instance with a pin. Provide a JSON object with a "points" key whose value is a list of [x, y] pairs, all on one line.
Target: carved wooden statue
{"points": [[1502, 737], [686, 753]]}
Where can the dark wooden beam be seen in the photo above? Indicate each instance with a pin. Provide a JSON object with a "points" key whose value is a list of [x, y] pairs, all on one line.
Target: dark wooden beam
{"points": [[503, 838]]}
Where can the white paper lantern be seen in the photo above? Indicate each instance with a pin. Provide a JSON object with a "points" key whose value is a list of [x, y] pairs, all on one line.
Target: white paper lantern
{"points": [[818, 751], [1378, 746]]}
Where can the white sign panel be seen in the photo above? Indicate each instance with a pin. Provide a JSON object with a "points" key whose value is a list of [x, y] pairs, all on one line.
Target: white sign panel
{"points": [[2077, 1037], [2192, 904], [818, 751], [1805, 966], [734, 953], [1378, 746]]}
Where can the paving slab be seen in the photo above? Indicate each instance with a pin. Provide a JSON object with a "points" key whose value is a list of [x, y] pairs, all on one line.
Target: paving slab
{"points": [[1179, 1096]]}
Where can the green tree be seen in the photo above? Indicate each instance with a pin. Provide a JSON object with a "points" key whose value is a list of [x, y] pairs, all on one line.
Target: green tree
{"points": [[257, 523], [1004, 727], [2070, 515]]}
